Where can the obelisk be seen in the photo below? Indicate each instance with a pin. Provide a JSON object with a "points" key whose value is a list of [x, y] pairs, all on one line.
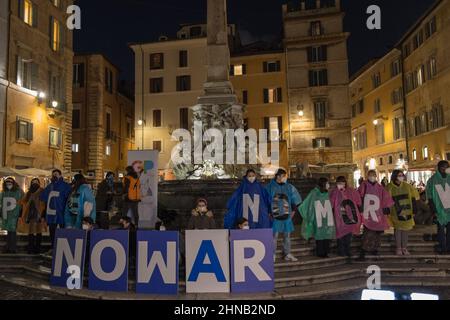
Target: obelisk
{"points": [[218, 88]]}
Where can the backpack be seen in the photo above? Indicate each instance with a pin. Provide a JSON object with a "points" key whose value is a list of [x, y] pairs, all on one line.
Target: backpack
{"points": [[134, 190]]}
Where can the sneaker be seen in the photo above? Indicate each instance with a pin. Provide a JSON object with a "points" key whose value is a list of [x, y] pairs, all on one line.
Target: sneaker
{"points": [[399, 252], [406, 252], [290, 257]]}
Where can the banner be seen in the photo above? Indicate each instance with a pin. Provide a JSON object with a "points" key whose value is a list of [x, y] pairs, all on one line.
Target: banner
{"points": [[207, 261], [252, 267], [68, 258], [146, 165], [157, 262], [108, 269]]}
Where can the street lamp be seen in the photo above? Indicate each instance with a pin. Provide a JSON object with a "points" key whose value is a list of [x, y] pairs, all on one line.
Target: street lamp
{"points": [[301, 113], [55, 104]]}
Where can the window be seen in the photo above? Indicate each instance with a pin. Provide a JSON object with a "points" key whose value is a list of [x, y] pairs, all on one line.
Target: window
{"points": [[399, 128], [24, 130], [360, 140], [157, 145], [320, 114], [274, 123], [376, 80], [75, 147], [381, 161], [183, 59], [55, 138], [327, 3], [361, 106], [245, 97], [157, 119], [183, 83], [418, 40], [321, 143], [431, 68], [156, 61], [318, 78], [109, 80], [273, 95], [316, 28], [310, 4], [195, 31], [27, 74], [57, 89], [425, 154], [406, 50], [271, 66], [417, 126], [28, 12], [78, 75], [76, 119], [391, 160], [184, 118], [238, 70], [424, 122], [354, 111], [108, 150], [436, 117], [414, 155], [395, 68], [397, 96], [430, 28], [156, 85], [129, 134], [317, 54], [55, 34], [420, 76], [108, 125], [56, 3], [377, 106], [379, 132]]}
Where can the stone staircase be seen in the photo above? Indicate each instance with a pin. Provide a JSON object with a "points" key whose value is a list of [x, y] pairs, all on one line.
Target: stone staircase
{"points": [[310, 277]]}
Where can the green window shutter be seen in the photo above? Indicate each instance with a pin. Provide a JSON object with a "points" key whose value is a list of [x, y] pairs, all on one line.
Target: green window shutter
{"points": [[266, 95], [59, 138], [314, 142], [267, 124], [34, 76], [265, 66], [17, 128], [280, 126], [232, 70], [278, 65], [244, 69], [30, 131], [21, 9], [279, 95], [35, 15], [50, 32]]}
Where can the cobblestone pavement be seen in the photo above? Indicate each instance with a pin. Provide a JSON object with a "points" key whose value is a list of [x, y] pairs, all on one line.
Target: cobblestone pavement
{"points": [[12, 292]]}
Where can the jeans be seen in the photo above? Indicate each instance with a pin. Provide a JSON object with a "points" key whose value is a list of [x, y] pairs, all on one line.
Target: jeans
{"points": [[286, 243], [401, 239], [444, 237], [322, 248], [344, 245], [52, 229], [11, 241]]}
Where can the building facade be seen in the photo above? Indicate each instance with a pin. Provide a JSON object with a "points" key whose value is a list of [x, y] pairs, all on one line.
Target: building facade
{"points": [[103, 119], [259, 80], [4, 32], [378, 117], [38, 117], [426, 67], [317, 80], [169, 78]]}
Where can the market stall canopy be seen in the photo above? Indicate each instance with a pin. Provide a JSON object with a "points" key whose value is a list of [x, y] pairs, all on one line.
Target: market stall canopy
{"points": [[33, 172], [6, 172]]}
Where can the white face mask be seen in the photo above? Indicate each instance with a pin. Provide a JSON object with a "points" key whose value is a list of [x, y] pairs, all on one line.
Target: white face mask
{"points": [[251, 179], [85, 227], [162, 228], [447, 171], [245, 228], [327, 186], [341, 186], [284, 180], [401, 179], [372, 179], [9, 186]]}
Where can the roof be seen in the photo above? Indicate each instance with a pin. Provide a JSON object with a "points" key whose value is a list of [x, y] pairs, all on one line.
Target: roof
{"points": [[86, 54]]}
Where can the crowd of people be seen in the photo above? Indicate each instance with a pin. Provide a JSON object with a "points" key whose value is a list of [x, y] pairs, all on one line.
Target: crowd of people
{"points": [[326, 214]]}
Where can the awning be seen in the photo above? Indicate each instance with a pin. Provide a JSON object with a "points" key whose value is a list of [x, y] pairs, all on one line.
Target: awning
{"points": [[34, 172], [6, 172]]}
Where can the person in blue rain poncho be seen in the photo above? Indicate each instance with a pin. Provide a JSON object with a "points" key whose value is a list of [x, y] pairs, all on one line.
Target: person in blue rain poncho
{"points": [[285, 202], [55, 197], [250, 201], [81, 204]]}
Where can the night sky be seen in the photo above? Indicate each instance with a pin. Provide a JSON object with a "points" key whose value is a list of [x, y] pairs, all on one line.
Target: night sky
{"points": [[108, 26]]}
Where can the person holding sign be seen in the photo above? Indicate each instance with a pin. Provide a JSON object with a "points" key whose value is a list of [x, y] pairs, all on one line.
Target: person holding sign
{"points": [[285, 202], [55, 196], [250, 201], [403, 211], [318, 219], [81, 203], [346, 203], [10, 208], [376, 207], [438, 194], [32, 216]]}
